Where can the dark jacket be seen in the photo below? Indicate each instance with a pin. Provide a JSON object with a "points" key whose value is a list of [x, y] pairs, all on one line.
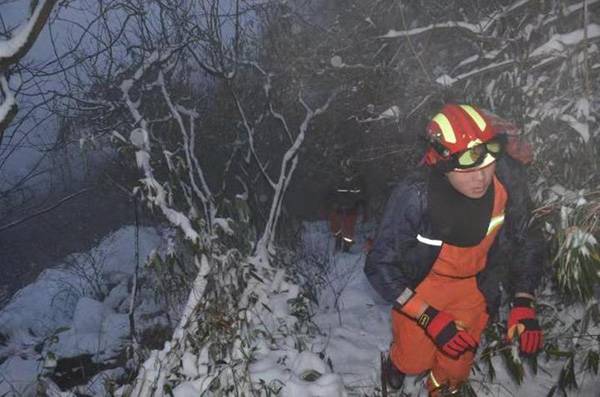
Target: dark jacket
{"points": [[348, 192], [398, 260]]}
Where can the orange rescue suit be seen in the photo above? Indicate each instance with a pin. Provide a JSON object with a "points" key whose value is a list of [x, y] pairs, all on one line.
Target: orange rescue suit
{"points": [[450, 286]]}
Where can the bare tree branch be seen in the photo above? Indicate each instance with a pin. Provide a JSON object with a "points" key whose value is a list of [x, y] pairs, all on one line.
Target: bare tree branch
{"points": [[45, 210], [13, 50]]}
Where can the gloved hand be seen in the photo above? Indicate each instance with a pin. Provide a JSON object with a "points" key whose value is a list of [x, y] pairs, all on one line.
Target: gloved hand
{"points": [[441, 327], [523, 322]]}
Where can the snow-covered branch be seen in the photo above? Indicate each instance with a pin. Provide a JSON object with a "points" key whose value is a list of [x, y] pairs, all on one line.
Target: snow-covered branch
{"points": [[447, 81], [552, 50], [139, 137], [287, 168], [276, 114], [559, 42], [250, 134], [483, 26], [465, 26], [203, 192], [11, 52], [13, 49], [8, 107], [570, 9]]}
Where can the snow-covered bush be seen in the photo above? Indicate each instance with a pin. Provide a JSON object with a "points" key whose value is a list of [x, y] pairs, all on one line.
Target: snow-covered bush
{"points": [[576, 249], [243, 322]]}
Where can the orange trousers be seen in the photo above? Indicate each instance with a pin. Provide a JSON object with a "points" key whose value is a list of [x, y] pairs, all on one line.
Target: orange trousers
{"points": [[450, 286], [343, 221], [413, 351]]}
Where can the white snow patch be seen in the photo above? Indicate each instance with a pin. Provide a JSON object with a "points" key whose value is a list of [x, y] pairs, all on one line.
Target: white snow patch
{"points": [[392, 113], [329, 385], [9, 99], [582, 128], [97, 386], [445, 80], [392, 34], [336, 61], [96, 330], [62, 308], [18, 377], [223, 223]]}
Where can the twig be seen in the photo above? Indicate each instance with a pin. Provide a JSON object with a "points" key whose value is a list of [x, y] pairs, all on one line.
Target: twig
{"points": [[28, 217], [413, 49], [135, 287]]}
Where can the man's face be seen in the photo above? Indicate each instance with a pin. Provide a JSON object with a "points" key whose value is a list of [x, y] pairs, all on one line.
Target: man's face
{"points": [[472, 184]]}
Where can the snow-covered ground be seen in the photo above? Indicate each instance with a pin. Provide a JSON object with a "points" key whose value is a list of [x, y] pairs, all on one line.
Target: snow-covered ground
{"points": [[66, 313], [77, 308]]}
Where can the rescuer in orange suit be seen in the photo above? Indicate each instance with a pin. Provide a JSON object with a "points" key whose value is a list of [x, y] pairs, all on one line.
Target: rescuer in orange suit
{"points": [[346, 202], [450, 235]]}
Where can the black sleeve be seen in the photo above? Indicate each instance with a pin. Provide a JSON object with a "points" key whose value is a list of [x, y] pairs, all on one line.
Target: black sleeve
{"points": [[329, 198], [398, 260], [364, 192], [526, 263]]}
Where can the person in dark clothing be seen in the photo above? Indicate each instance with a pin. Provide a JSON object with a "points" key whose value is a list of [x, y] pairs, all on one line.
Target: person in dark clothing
{"points": [[346, 202], [450, 235]]}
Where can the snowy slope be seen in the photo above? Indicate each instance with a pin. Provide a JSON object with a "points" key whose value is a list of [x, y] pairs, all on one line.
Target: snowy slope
{"points": [[356, 323], [64, 314], [78, 307]]}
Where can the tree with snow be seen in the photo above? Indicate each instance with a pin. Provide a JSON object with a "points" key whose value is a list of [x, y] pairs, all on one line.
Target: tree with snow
{"points": [[156, 103]]}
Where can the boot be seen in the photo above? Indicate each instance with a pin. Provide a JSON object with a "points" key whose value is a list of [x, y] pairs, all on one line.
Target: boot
{"points": [[392, 375], [445, 391], [437, 389]]}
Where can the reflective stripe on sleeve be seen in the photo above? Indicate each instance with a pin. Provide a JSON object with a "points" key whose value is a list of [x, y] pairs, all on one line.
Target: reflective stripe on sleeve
{"points": [[428, 241], [405, 296], [495, 222]]}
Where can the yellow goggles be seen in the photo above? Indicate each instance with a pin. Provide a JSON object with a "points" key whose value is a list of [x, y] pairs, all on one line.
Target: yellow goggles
{"points": [[475, 156]]}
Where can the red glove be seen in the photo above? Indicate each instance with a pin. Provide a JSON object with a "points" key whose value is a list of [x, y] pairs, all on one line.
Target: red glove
{"points": [[523, 322], [441, 327]]}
